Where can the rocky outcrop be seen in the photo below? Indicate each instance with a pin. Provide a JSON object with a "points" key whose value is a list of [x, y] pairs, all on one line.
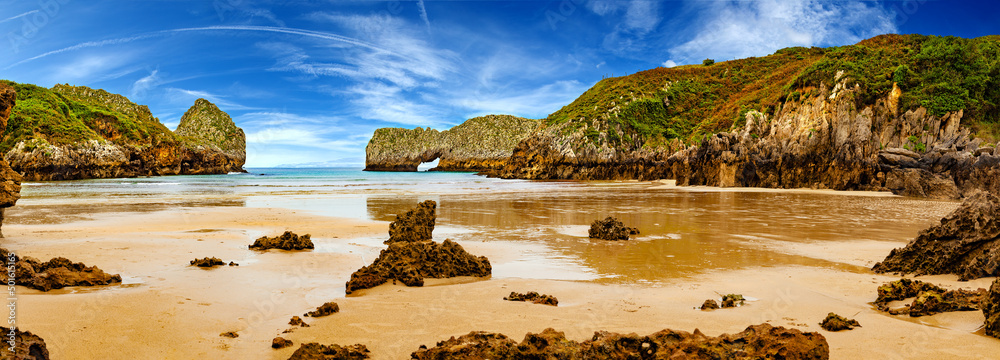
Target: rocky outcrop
{"points": [[214, 145], [929, 299], [280, 343], [710, 304], [611, 229], [10, 181], [533, 297], [75, 132], [991, 309], [315, 351], [414, 225], [287, 241], [966, 243], [834, 322], [56, 273], [207, 262], [324, 310], [413, 256], [756, 342], [478, 144], [26, 346]]}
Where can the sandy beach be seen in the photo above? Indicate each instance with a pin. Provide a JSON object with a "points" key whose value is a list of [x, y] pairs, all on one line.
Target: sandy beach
{"points": [[167, 310]]}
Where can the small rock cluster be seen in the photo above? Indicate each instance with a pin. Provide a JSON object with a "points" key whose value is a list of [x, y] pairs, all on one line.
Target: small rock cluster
{"points": [[834, 322], [56, 273], [533, 297], [312, 351], [324, 310], [611, 229], [287, 241], [929, 299]]}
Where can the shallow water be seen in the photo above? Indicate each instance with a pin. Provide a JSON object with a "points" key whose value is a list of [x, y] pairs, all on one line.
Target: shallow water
{"points": [[683, 232]]}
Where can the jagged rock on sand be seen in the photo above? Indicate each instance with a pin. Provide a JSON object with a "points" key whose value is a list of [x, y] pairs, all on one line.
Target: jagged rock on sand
{"points": [[756, 342], [315, 351], [26, 345], [287, 241], [834, 322], [410, 260], [280, 343], [324, 310], [230, 334], [929, 299], [991, 310], [533, 297], [207, 262], [414, 225], [611, 229], [965, 243], [297, 321], [56, 273], [732, 300], [710, 304]]}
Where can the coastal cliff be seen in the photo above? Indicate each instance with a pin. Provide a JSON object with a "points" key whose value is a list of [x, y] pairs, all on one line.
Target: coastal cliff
{"points": [[10, 181], [910, 114], [478, 144], [75, 132]]}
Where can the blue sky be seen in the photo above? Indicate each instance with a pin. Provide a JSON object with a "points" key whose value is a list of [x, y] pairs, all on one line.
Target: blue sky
{"points": [[309, 81]]}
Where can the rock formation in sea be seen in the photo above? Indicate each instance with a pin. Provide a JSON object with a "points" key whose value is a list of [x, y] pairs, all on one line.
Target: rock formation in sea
{"points": [[611, 229], [10, 181], [75, 132], [56, 273], [207, 262], [991, 309], [966, 242], [413, 256], [929, 299], [478, 144], [315, 351], [286, 241], [756, 342], [26, 346]]}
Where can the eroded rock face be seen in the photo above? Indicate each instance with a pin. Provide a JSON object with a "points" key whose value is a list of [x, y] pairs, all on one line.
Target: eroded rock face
{"points": [[10, 181], [965, 243], [315, 351], [533, 297], [756, 342], [991, 309], [478, 144], [111, 136], [324, 310], [27, 346], [929, 299], [287, 241], [56, 273], [411, 262], [834, 322], [414, 225], [611, 229]]}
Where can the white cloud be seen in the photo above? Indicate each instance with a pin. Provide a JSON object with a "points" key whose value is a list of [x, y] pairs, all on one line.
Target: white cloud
{"points": [[423, 13], [185, 96], [140, 87], [739, 29], [669, 64], [636, 19], [533, 103]]}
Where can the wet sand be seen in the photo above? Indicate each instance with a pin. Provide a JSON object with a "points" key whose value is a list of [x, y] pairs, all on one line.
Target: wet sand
{"points": [[797, 261]]}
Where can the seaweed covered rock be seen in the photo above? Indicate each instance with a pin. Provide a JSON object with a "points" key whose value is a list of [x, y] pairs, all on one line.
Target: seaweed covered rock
{"points": [[929, 299], [26, 346], [965, 243], [280, 343], [611, 229], [732, 300], [533, 297], [756, 342], [414, 225], [324, 310], [411, 262], [208, 262], [991, 309], [287, 241], [710, 304], [315, 351], [834, 322], [56, 273]]}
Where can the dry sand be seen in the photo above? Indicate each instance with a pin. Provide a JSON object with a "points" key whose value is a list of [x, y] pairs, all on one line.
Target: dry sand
{"points": [[168, 310]]}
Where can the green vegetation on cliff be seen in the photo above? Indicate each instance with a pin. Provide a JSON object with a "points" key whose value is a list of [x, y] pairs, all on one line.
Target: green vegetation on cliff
{"points": [[72, 114], [204, 124], [653, 107]]}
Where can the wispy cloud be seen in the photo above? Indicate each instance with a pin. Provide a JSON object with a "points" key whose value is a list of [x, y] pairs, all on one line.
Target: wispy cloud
{"points": [[19, 16], [185, 96], [533, 102], [423, 14], [140, 87], [738, 29]]}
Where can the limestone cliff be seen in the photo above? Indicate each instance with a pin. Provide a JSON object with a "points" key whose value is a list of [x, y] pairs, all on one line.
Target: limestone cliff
{"points": [[75, 132], [213, 142], [478, 144], [10, 181]]}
